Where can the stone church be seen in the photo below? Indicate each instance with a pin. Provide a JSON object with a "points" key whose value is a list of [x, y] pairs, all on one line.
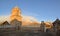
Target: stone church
{"points": [[15, 20]]}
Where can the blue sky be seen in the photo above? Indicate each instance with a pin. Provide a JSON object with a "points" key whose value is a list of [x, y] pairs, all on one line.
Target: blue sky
{"points": [[47, 10]]}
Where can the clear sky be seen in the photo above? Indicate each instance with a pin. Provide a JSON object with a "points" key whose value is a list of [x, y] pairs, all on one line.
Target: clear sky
{"points": [[40, 9]]}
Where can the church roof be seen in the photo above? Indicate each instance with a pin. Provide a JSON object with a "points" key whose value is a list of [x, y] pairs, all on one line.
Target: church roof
{"points": [[14, 20], [57, 21], [5, 23]]}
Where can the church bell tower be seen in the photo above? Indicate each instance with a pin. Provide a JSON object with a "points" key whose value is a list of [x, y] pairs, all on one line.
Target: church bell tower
{"points": [[16, 18], [16, 14]]}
